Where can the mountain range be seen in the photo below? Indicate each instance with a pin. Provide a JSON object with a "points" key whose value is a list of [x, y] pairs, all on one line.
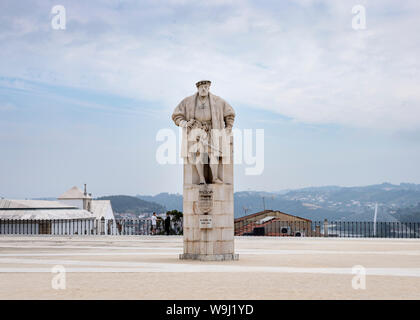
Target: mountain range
{"points": [[132, 206], [395, 202]]}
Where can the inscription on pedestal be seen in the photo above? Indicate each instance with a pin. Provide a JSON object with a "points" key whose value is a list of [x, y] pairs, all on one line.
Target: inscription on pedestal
{"points": [[205, 222]]}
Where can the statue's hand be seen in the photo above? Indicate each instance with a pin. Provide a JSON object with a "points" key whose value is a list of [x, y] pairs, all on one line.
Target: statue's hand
{"points": [[186, 124], [190, 123]]}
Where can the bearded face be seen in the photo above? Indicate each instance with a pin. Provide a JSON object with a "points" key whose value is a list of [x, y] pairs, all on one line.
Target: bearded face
{"points": [[203, 90]]}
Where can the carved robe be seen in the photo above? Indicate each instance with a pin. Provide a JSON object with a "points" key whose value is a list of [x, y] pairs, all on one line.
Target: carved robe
{"points": [[222, 116]]}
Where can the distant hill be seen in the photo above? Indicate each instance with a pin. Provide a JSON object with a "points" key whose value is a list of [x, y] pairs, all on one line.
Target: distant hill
{"points": [[252, 201], [360, 201], [128, 204], [168, 200], [317, 203], [409, 214], [399, 195]]}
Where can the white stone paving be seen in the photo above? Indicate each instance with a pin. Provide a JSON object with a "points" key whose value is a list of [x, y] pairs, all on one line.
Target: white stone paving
{"points": [[40, 247]]}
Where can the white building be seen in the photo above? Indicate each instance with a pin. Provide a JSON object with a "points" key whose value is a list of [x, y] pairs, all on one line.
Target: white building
{"points": [[74, 213], [100, 209], [76, 198]]}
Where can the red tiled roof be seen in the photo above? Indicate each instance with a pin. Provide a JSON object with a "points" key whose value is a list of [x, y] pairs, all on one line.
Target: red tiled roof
{"points": [[267, 211]]}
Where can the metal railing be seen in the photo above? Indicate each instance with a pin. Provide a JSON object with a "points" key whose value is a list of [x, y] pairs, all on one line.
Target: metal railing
{"points": [[87, 227], [342, 229], [276, 227]]}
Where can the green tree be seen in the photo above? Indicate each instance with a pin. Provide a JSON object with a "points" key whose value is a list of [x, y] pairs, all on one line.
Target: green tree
{"points": [[176, 215], [177, 220]]}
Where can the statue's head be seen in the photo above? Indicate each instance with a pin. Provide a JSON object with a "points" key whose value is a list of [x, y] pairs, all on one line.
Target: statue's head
{"points": [[203, 87]]}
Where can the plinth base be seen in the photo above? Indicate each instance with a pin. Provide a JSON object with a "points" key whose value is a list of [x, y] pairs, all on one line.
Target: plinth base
{"points": [[209, 257]]}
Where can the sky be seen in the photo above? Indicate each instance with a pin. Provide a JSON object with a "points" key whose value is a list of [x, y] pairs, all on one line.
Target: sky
{"points": [[338, 106]]}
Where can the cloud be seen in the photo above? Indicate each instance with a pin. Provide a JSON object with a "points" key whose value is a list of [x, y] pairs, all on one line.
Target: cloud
{"points": [[298, 59]]}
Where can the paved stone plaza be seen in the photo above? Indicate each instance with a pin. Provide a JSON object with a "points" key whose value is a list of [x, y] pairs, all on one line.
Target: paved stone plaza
{"points": [[137, 267]]}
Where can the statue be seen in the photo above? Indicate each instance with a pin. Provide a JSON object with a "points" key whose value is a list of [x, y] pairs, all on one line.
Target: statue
{"points": [[208, 202], [206, 120]]}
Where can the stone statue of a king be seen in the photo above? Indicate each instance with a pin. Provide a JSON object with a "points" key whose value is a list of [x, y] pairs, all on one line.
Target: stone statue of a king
{"points": [[207, 149]]}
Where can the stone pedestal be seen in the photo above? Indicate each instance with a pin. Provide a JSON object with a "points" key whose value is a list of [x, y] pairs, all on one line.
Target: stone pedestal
{"points": [[208, 236], [208, 212]]}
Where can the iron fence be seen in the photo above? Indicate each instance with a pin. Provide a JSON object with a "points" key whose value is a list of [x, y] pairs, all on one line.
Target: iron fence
{"points": [[87, 227], [276, 227], [342, 229]]}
